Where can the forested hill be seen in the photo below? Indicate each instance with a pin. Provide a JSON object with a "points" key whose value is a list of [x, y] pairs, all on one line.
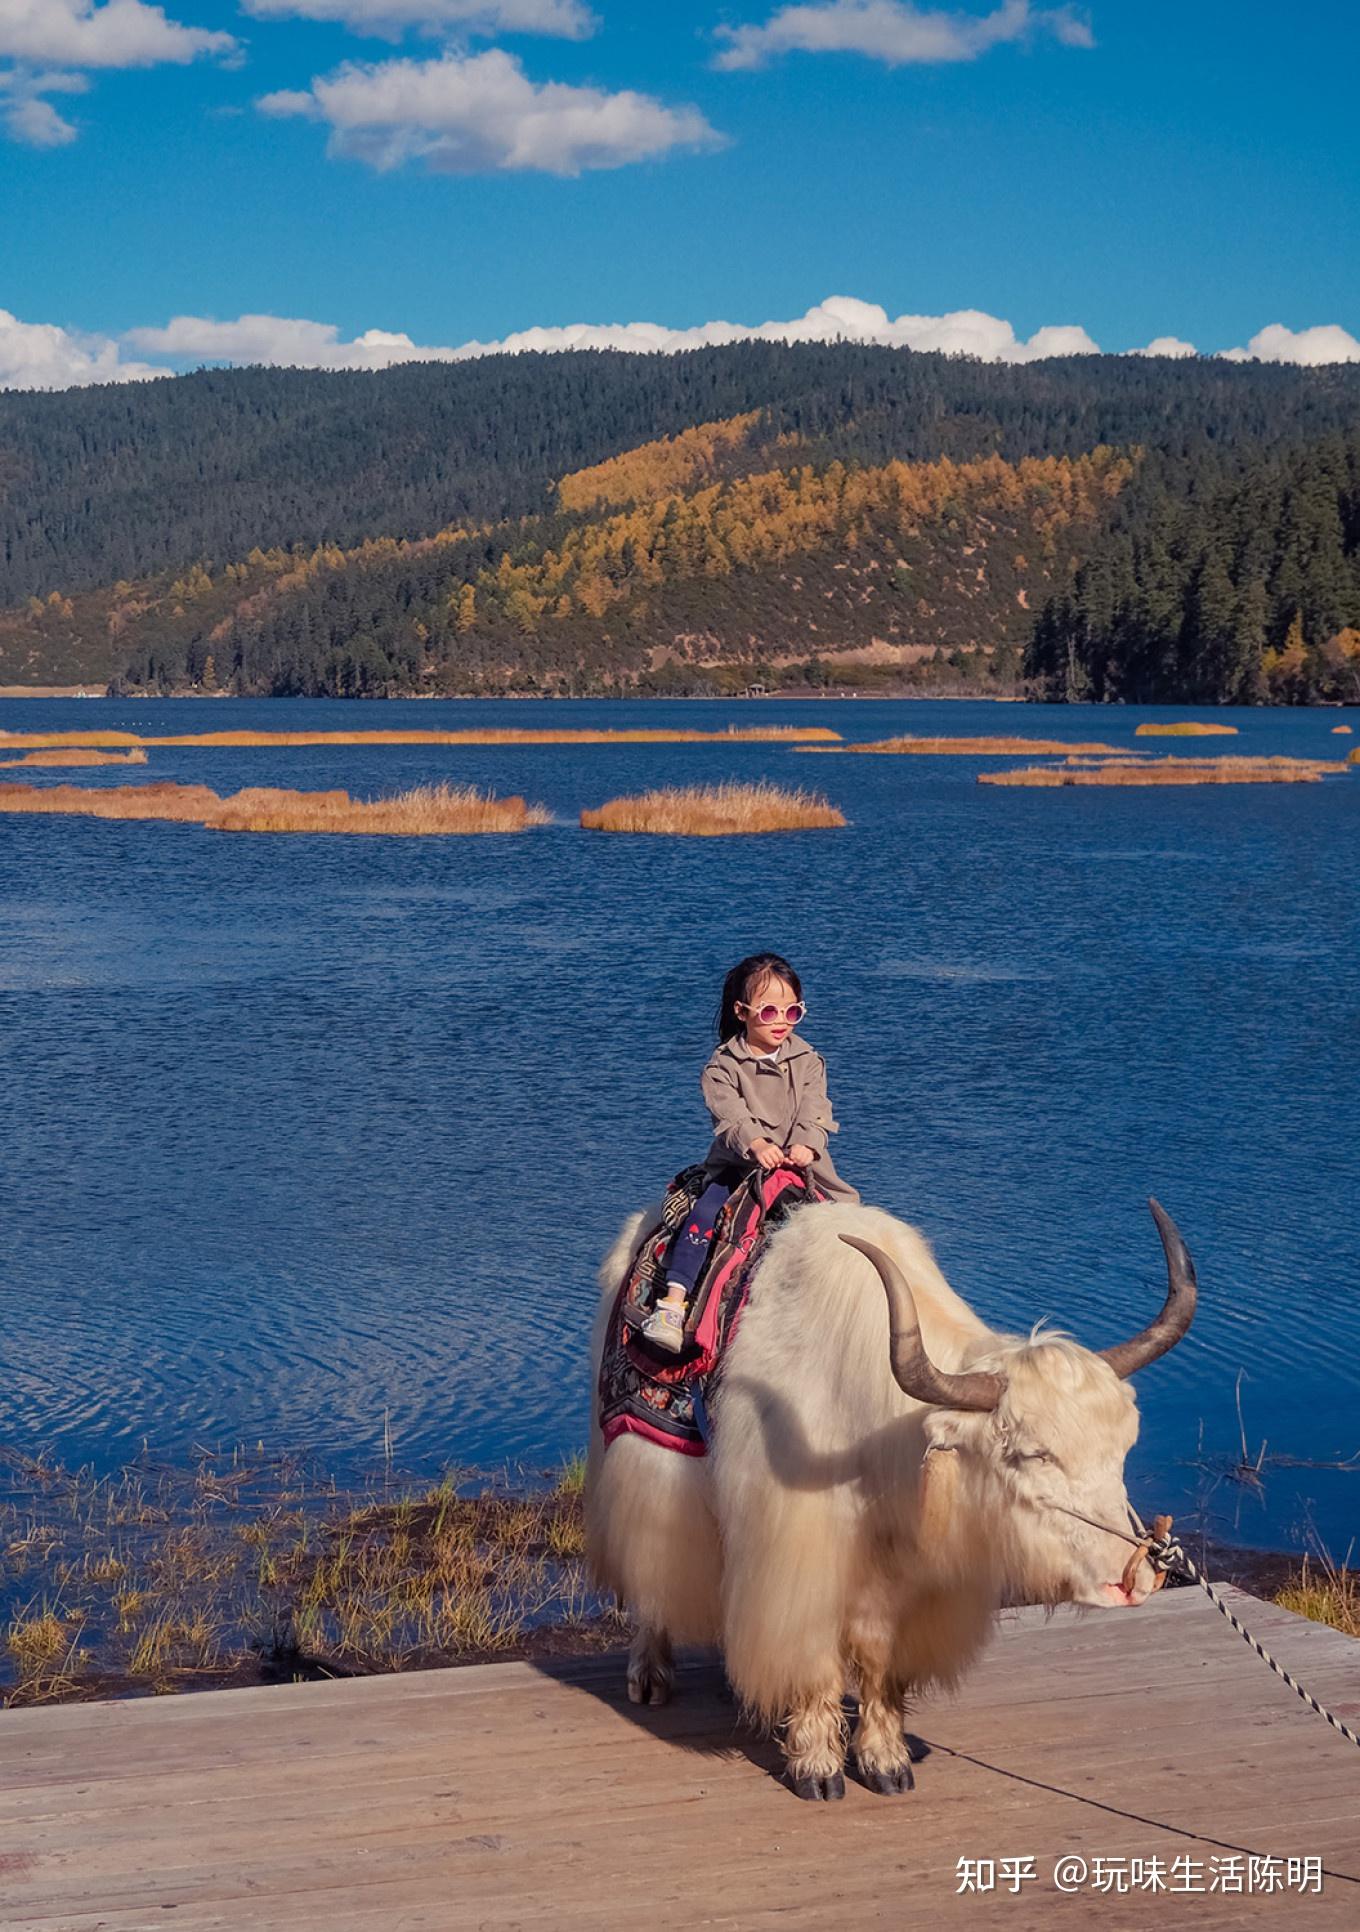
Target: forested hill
{"points": [[127, 480], [1217, 582], [1118, 526]]}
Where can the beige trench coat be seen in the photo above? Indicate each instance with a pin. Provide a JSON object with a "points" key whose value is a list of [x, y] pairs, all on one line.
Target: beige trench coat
{"points": [[783, 1100]]}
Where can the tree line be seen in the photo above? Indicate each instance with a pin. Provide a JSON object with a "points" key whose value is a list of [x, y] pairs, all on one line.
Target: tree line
{"points": [[129, 480], [1220, 579], [1114, 528]]}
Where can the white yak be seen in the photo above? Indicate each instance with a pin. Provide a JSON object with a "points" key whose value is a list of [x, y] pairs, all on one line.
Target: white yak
{"points": [[883, 1475]]}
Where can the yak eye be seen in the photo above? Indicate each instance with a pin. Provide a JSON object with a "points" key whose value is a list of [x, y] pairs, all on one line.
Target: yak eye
{"points": [[1036, 1455]]}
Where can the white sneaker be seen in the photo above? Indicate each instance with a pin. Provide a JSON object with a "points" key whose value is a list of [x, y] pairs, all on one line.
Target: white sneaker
{"points": [[666, 1327]]}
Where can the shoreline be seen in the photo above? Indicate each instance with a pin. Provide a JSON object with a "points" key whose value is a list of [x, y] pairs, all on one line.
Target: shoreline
{"points": [[48, 691], [800, 694], [1258, 1573], [165, 1580], [904, 694]]}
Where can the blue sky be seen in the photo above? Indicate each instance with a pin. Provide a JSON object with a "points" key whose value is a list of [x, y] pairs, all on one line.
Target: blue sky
{"points": [[1140, 170]]}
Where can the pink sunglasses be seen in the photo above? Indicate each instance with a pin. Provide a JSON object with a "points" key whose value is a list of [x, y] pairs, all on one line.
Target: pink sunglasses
{"points": [[767, 1015]]}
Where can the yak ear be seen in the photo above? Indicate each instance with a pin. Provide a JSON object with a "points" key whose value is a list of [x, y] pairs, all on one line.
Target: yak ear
{"points": [[938, 1515]]}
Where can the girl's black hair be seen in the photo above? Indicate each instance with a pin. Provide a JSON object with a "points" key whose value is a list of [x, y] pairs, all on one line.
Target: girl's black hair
{"points": [[743, 980]]}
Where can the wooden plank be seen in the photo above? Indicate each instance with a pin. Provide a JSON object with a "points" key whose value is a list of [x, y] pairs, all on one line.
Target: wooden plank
{"points": [[297, 1726], [1086, 1642], [513, 1797], [1090, 1731]]}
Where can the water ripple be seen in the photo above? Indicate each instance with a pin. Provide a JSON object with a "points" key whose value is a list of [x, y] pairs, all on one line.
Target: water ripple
{"points": [[318, 1141]]}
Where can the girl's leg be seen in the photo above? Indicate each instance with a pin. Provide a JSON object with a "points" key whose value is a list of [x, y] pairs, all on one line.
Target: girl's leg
{"points": [[666, 1323], [690, 1248]]}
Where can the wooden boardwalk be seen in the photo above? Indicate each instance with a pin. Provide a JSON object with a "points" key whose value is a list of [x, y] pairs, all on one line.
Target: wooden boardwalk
{"points": [[510, 1796]]}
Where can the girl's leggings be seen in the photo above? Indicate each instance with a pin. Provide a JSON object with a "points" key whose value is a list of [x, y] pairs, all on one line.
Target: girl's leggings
{"points": [[690, 1247]]}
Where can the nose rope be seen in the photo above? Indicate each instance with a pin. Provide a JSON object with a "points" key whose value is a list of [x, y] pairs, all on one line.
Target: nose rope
{"points": [[1164, 1553]]}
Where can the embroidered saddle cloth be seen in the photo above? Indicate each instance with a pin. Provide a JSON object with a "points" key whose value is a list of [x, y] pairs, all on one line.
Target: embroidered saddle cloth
{"points": [[648, 1391]]}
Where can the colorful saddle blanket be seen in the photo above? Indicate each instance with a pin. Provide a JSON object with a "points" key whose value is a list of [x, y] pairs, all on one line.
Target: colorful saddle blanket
{"points": [[648, 1391]]}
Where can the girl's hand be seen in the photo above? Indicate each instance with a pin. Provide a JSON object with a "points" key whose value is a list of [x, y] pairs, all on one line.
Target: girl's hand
{"points": [[801, 1156], [766, 1153]]}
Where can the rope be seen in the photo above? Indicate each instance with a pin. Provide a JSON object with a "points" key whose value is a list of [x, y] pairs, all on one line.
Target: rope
{"points": [[1165, 1553]]}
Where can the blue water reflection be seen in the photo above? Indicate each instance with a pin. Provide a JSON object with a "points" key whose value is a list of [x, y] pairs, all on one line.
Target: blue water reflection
{"points": [[308, 1138]]}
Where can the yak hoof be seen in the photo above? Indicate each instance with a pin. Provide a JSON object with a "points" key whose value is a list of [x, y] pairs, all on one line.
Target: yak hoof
{"points": [[889, 1783], [824, 1789], [654, 1687]]}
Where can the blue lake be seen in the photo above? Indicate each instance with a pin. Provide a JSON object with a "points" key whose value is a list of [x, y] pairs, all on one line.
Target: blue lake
{"points": [[303, 1140]]}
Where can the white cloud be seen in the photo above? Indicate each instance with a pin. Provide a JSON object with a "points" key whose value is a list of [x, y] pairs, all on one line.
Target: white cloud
{"points": [[40, 355], [482, 114], [283, 341], [122, 33], [78, 34], [1167, 345], [29, 119], [277, 339], [840, 317], [1309, 347], [35, 123], [895, 32], [387, 19]]}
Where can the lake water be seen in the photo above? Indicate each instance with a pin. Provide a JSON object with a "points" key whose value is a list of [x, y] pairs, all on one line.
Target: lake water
{"points": [[306, 1139]]}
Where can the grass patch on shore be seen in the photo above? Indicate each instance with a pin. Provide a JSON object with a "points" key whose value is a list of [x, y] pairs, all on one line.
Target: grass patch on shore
{"points": [[972, 747], [733, 734], [1326, 1593], [75, 755], [1341, 731], [424, 811], [1186, 728], [254, 1569], [714, 811], [247, 1571], [1170, 771]]}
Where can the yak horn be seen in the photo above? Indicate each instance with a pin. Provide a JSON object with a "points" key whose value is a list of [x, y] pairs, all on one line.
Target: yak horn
{"points": [[916, 1375], [1178, 1311]]}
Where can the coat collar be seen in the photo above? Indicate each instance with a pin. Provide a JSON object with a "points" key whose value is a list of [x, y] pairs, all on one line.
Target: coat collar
{"points": [[790, 1047]]}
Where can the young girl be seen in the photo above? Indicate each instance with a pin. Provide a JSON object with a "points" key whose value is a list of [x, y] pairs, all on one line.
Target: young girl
{"points": [[766, 1091]]}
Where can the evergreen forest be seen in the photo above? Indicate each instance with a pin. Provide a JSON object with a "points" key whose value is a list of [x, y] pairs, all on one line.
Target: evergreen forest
{"points": [[1124, 529]]}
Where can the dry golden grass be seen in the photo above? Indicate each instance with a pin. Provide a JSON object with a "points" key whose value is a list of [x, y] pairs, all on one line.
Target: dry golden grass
{"points": [[734, 734], [45, 1655], [1354, 758], [1341, 731], [1186, 729], [1329, 1595], [714, 811], [73, 755], [973, 747], [233, 1572], [1169, 771], [425, 811], [1084, 763], [50, 740], [162, 799]]}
